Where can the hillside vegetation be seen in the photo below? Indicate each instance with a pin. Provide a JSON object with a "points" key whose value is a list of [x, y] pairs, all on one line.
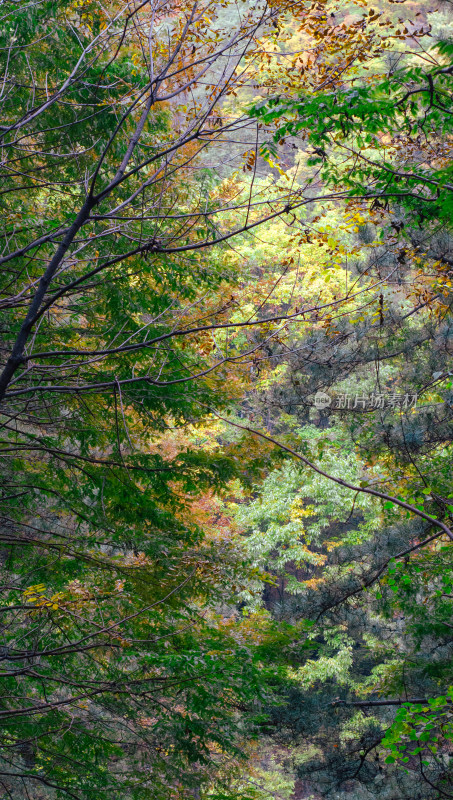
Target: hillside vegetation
{"points": [[226, 400]]}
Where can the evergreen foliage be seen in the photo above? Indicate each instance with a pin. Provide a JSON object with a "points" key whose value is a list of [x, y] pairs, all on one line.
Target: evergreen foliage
{"points": [[226, 402]]}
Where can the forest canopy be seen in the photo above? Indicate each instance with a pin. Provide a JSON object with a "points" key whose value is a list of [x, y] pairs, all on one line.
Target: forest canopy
{"points": [[226, 400]]}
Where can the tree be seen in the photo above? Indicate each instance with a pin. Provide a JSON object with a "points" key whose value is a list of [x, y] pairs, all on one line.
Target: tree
{"points": [[122, 333], [378, 604], [115, 673]]}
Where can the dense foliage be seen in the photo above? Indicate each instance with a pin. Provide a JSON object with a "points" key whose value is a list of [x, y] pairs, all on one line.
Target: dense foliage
{"points": [[226, 401]]}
